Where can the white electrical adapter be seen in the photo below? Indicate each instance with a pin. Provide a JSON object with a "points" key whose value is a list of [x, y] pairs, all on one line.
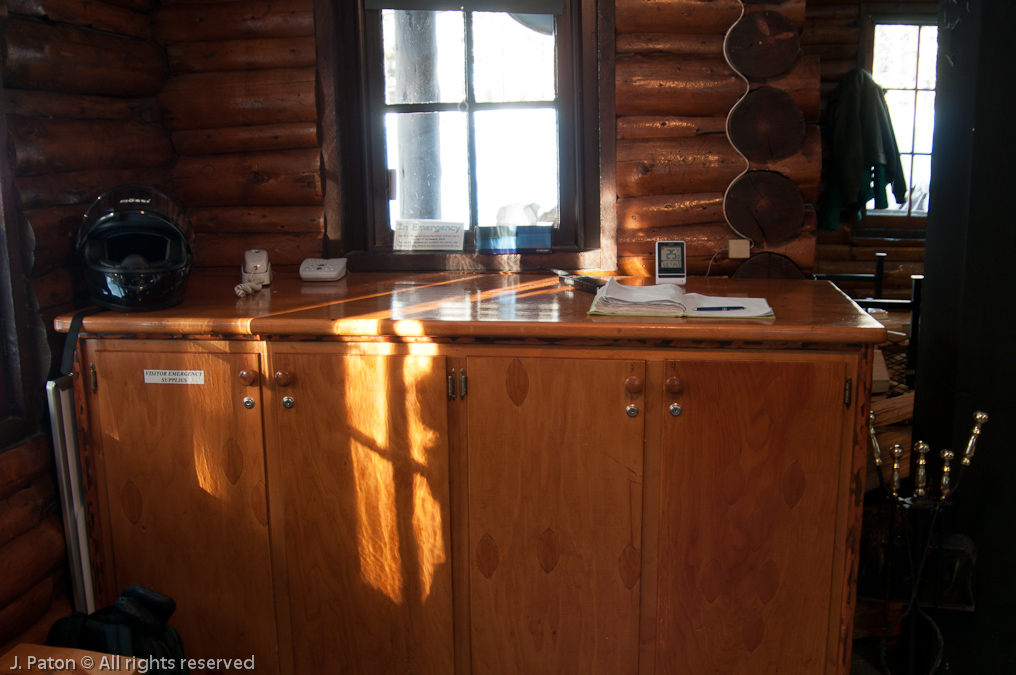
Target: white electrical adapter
{"points": [[739, 248], [256, 269], [322, 269]]}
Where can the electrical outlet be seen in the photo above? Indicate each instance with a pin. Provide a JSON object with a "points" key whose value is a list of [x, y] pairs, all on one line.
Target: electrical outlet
{"points": [[739, 248]]}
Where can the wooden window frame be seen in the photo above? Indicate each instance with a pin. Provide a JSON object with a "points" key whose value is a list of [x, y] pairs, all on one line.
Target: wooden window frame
{"points": [[355, 192], [873, 224]]}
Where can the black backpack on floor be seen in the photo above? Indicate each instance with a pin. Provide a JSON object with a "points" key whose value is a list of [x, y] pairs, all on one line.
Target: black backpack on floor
{"points": [[133, 626]]}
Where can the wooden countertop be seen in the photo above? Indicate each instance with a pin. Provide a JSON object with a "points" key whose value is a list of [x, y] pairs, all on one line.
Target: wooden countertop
{"points": [[454, 305]]}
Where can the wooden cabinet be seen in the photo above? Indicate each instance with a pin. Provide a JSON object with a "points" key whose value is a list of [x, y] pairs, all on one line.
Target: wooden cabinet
{"points": [[555, 514], [750, 480], [179, 490], [436, 495], [364, 465]]}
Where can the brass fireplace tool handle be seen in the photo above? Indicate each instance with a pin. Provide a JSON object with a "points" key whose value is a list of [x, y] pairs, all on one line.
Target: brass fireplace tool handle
{"points": [[948, 484]]}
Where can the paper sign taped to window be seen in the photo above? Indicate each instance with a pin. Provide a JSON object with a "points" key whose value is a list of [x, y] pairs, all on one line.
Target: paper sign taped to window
{"points": [[428, 235], [174, 377]]}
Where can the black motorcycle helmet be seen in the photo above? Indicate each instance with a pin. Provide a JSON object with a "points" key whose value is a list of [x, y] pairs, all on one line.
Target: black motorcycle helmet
{"points": [[136, 245]]}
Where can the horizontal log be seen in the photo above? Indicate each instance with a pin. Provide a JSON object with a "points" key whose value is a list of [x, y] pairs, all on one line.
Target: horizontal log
{"points": [[667, 84], [44, 146], [246, 139], [36, 103], [289, 177], [673, 43], [835, 70], [26, 508], [677, 16], [38, 631], [639, 213], [803, 85], [78, 187], [705, 244], [669, 127], [236, 20], [796, 10], [267, 219], [835, 52], [143, 6], [30, 558], [694, 16], [829, 32], [840, 12], [676, 166], [705, 164], [239, 98], [226, 250], [56, 230], [21, 465], [89, 13], [31, 605], [215, 56], [56, 287], [75, 60], [852, 252]]}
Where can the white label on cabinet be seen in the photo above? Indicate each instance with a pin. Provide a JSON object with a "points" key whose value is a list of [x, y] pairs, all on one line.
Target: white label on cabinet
{"points": [[174, 377]]}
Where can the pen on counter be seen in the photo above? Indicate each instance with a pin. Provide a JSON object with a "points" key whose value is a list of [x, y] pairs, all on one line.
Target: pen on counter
{"points": [[717, 309]]}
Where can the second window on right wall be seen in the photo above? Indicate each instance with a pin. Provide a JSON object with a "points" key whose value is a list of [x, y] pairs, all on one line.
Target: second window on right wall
{"points": [[904, 53]]}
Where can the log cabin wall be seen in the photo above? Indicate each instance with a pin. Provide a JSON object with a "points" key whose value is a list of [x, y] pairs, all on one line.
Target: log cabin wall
{"points": [[79, 87], [833, 33], [213, 103], [674, 91], [34, 577], [79, 81], [240, 106]]}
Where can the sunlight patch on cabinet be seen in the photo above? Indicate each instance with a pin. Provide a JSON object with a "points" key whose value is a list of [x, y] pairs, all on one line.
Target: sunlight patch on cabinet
{"points": [[427, 529], [377, 527]]}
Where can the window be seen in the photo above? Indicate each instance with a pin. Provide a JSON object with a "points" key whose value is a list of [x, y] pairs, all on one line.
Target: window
{"points": [[479, 114], [904, 54]]}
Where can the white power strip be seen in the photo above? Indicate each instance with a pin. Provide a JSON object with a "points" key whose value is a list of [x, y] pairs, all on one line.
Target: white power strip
{"points": [[322, 269]]}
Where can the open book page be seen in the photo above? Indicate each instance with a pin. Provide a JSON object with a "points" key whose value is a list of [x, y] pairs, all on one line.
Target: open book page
{"points": [[671, 300]]}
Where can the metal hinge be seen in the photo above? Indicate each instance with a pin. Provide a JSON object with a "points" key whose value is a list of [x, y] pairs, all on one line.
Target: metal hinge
{"points": [[457, 384], [848, 390], [93, 378]]}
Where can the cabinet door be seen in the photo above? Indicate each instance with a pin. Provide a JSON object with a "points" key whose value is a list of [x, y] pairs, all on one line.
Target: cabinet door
{"points": [[183, 465], [555, 503], [750, 483], [364, 461]]}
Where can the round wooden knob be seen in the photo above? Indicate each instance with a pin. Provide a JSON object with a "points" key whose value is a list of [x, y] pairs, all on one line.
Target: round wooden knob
{"points": [[674, 386], [247, 377], [283, 379], [633, 385]]}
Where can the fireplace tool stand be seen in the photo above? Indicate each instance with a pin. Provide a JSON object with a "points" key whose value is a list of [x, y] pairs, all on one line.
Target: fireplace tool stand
{"points": [[919, 518]]}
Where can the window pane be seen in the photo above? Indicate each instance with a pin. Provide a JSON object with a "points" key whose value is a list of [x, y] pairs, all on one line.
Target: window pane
{"points": [[516, 164], [924, 124], [428, 153], [513, 61], [920, 186], [901, 110], [424, 57], [929, 57], [895, 63]]}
